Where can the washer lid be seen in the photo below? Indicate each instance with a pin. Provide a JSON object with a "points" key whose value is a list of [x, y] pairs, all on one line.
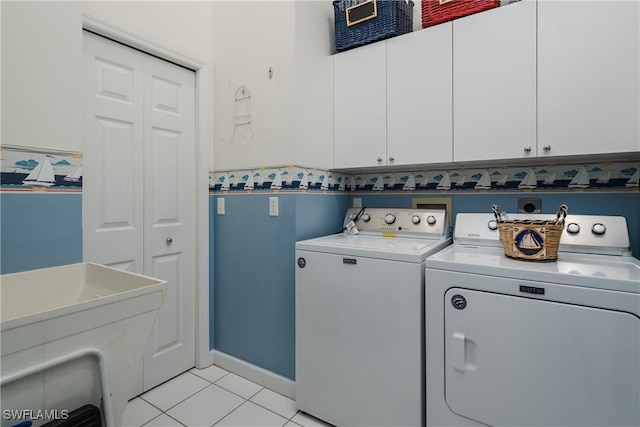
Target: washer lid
{"points": [[621, 273], [375, 246]]}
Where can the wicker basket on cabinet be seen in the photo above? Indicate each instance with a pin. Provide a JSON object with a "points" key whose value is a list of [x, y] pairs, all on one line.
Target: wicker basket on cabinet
{"points": [[438, 11], [358, 22]]}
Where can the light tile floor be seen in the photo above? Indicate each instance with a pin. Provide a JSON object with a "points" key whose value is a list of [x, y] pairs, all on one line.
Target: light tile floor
{"points": [[213, 397]]}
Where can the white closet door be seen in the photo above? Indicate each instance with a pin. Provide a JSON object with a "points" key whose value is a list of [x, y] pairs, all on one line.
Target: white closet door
{"points": [[139, 188], [112, 200], [169, 162]]}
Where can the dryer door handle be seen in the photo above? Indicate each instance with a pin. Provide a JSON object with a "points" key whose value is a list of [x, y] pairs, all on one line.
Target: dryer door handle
{"points": [[463, 353], [458, 359]]}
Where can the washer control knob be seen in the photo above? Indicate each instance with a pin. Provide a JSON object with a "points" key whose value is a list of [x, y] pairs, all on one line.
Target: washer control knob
{"points": [[366, 217], [415, 219], [352, 216], [493, 224], [598, 228], [431, 220], [389, 218], [573, 228]]}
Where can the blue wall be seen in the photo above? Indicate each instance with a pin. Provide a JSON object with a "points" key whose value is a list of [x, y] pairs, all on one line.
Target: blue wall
{"points": [[253, 272], [252, 254], [39, 231], [253, 266]]}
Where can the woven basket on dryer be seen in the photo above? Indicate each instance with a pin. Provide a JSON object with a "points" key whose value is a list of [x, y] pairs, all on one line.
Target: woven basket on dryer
{"points": [[531, 240]]}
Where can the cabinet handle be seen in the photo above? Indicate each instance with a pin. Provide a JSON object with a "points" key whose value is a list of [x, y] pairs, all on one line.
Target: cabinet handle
{"points": [[391, 159], [379, 159], [547, 148], [527, 149]]}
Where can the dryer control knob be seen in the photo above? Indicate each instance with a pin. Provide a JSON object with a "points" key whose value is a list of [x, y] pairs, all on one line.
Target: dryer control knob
{"points": [[366, 217], [493, 224], [352, 216], [573, 228], [389, 218], [598, 228], [415, 219], [431, 220]]}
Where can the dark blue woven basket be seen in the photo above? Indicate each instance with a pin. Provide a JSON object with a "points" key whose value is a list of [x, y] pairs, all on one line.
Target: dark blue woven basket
{"points": [[395, 17]]}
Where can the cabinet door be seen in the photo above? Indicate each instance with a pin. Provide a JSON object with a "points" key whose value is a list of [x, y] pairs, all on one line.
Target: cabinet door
{"points": [[419, 97], [588, 90], [494, 84], [360, 107]]}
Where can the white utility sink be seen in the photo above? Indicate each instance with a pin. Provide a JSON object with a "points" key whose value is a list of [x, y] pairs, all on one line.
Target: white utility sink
{"points": [[71, 335]]}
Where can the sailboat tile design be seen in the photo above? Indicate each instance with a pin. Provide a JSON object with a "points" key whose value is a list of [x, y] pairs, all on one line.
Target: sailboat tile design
{"points": [[25, 169], [568, 177], [292, 178], [33, 170]]}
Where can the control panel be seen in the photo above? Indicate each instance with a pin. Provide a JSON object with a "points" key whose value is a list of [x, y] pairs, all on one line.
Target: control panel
{"points": [[582, 233], [397, 221]]}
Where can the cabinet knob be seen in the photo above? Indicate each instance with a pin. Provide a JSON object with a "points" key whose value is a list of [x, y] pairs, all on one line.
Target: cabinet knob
{"points": [[391, 159], [169, 240], [547, 148], [527, 149], [379, 159]]}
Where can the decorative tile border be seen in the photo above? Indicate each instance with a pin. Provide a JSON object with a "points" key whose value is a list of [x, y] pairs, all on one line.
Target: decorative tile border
{"points": [[286, 178], [567, 177], [31, 169], [27, 169]]}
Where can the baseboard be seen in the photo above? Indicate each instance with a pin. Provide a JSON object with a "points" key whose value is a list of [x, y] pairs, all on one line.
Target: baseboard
{"points": [[255, 373]]}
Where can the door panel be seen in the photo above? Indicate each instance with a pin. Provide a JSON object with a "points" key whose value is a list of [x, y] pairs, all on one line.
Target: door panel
{"points": [[169, 211], [518, 361], [494, 83], [113, 197], [167, 333], [360, 107], [139, 198]]}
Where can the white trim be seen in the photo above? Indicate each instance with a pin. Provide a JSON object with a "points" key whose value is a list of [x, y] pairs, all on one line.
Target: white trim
{"points": [[98, 26], [254, 373]]}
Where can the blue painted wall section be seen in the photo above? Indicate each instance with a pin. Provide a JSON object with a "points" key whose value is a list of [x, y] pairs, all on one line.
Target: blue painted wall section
{"points": [[253, 273], [253, 268], [39, 231]]}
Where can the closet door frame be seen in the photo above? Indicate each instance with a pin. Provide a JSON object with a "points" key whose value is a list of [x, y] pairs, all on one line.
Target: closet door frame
{"points": [[204, 356]]}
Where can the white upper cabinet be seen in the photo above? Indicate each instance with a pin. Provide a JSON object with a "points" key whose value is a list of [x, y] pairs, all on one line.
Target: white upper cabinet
{"points": [[494, 84], [419, 97], [393, 101], [588, 77], [526, 80], [360, 107]]}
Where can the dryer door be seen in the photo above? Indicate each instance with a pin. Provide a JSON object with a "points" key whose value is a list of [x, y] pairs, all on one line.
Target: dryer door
{"points": [[526, 362]]}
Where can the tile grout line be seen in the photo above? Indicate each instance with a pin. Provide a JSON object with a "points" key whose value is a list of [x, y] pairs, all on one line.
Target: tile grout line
{"points": [[164, 412], [191, 395]]}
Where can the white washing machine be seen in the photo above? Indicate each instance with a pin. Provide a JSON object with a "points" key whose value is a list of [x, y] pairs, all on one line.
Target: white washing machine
{"points": [[360, 317], [521, 343]]}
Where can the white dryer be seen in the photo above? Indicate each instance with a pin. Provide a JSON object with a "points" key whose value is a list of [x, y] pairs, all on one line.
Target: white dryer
{"points": [[521, 343], [360, 317]]}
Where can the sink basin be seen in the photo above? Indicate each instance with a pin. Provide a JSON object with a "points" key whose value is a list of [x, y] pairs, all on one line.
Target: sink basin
{"points": [[73, 335]]}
